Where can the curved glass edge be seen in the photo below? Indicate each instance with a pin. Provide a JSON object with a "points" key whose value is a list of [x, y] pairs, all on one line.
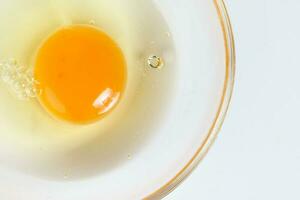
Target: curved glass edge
{"points": [[216, 126]]}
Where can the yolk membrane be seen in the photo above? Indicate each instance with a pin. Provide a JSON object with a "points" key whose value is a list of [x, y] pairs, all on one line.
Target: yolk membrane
{"points": [[81, 72]]}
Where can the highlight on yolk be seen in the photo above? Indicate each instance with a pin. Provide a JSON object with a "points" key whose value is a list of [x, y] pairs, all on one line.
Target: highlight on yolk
{"points": [[81, 72]]}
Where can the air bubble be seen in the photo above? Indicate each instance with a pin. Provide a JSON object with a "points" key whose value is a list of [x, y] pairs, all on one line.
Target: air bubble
{"points": [[155, 62], [92, 22], [12, 62]]}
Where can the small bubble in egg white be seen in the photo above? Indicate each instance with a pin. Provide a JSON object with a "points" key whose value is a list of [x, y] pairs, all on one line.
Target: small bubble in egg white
{"points": [[92, 22], [155, 62], [67, 174], [168, 34], [12, 61]]}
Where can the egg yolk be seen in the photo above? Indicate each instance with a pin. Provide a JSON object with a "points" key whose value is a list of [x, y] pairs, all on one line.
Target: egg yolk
{"points": [[81, 72]]}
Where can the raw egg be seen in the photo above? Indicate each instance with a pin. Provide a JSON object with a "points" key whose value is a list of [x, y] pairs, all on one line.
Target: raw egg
{"points": [[83, 84], [81, 72]]}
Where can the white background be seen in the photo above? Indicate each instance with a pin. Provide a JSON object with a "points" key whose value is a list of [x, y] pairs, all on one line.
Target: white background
{"points": [[257, 154]]}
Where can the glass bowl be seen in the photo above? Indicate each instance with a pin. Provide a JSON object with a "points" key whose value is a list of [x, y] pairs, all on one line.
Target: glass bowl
{"points": [[144, 162]]}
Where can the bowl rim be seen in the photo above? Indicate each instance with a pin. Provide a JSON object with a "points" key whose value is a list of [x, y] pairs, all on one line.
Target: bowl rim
{"points": [[205, 145]]}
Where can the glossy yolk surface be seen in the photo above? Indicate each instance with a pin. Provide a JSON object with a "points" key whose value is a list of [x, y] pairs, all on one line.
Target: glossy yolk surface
{"points": [[81, 72]]}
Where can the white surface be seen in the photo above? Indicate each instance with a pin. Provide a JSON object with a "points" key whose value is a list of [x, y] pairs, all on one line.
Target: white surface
{"points": [[257, 154]]}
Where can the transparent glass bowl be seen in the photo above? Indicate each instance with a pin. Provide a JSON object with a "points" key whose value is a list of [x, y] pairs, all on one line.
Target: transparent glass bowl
{"points": [[149, 166]]}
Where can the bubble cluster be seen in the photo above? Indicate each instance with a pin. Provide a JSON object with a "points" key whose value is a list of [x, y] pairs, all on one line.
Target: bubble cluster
{"points": [[19, 79]]}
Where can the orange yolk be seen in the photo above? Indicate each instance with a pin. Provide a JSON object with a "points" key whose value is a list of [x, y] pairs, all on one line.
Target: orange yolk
{"points": [[81, 72]]}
